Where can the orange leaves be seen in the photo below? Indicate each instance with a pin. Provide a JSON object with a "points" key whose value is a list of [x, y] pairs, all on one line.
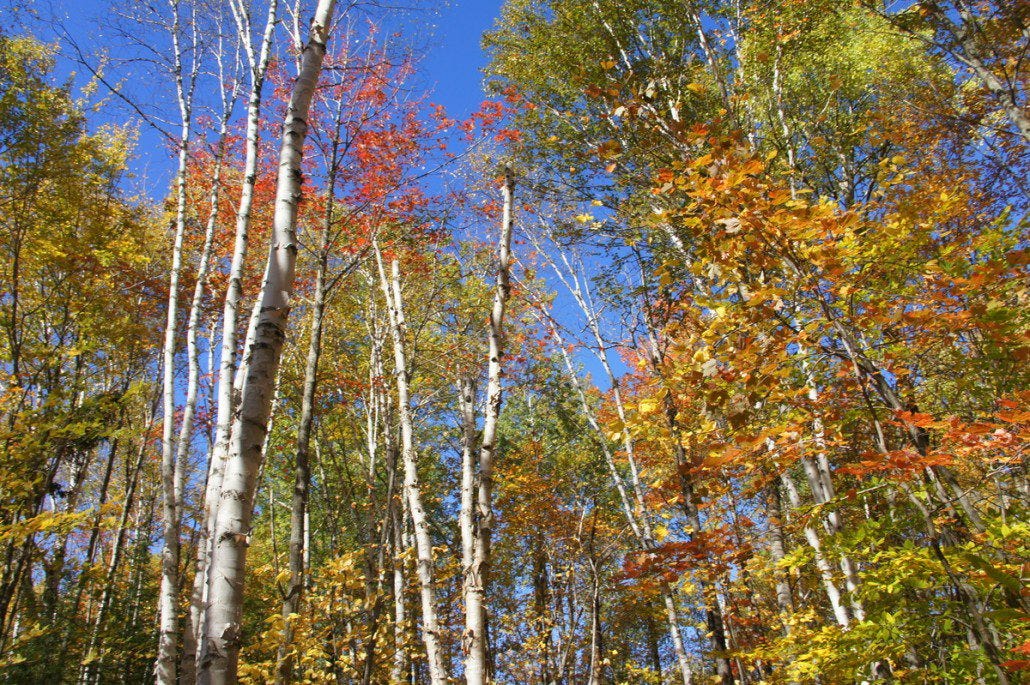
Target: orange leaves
{"points": [[717, 458], [918, 420], [1010, 411], [904, 463], [1022, 663]]}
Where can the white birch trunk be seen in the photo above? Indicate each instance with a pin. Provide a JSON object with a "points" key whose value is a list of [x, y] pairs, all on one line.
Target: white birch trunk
{"points": [[230, 314], [171, 462], [218, 663], [840, 612], [581, 294], [391, 288], [467, 511], [475, 575], [189, 656], [636, 517]]}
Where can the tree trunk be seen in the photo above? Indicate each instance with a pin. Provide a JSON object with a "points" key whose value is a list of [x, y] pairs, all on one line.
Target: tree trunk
{"points": [[476, 574], [840, 612], [230, 318], [171, 463], [391, 288], [90, 669], [239, 481], [302, 467], [777, 550], [636, 517], [188, 662]]}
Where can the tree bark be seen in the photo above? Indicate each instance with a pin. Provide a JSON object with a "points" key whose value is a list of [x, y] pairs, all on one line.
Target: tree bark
{"points": [[219, 660], [391, 287], [840, 611], [90, 669], [230, 313], [302, 467], [189, 656], [476, 574], [171, 462]]}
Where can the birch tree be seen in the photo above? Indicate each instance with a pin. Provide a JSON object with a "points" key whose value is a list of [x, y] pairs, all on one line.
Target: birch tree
{"points": [[477, 516], [391, 289], [257, 60], [172, 462], [219, 662]]}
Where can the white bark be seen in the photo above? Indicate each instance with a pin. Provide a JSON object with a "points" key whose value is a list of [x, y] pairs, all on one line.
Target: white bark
{"points": [[637, 518], [480, 528], [640, 518], [258, 66], [818, 474], [218, 662], [467, 511], [172, 464], [391, 287], [400, 659], [840, 612], [189, 657]]}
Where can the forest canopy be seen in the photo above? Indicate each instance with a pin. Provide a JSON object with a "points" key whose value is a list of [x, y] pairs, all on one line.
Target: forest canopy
{"points": [[696, 353]]}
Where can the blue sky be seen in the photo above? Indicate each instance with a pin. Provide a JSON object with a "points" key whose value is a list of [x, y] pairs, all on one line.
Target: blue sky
{"points": [[450, 33], [454, 63]]}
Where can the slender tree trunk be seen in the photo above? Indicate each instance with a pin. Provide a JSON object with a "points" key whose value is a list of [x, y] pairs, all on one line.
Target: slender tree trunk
{"points": [[171, 463], [467, 525], [90, 669], [840, 612], [541, 606], [476, 574], [400, 658], [188, 662], [232, 524], [777, 550], [302, 467], [639, 522], [596, 669], [391, 287], [713, 612], [89, 558], [230, 315]]}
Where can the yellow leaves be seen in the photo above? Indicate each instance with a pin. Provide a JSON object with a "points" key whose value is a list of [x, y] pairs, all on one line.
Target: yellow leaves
{"points": [[753, 167], [661, 531], [647, 406], [615, 429], [695, 88], [701, 161], [717, 458], [584, 218], [46, 522]]}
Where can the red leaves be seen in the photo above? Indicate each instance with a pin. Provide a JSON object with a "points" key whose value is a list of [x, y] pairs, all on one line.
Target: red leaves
{"points": [[916, 419], [903, 462], [1022, 650]]}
